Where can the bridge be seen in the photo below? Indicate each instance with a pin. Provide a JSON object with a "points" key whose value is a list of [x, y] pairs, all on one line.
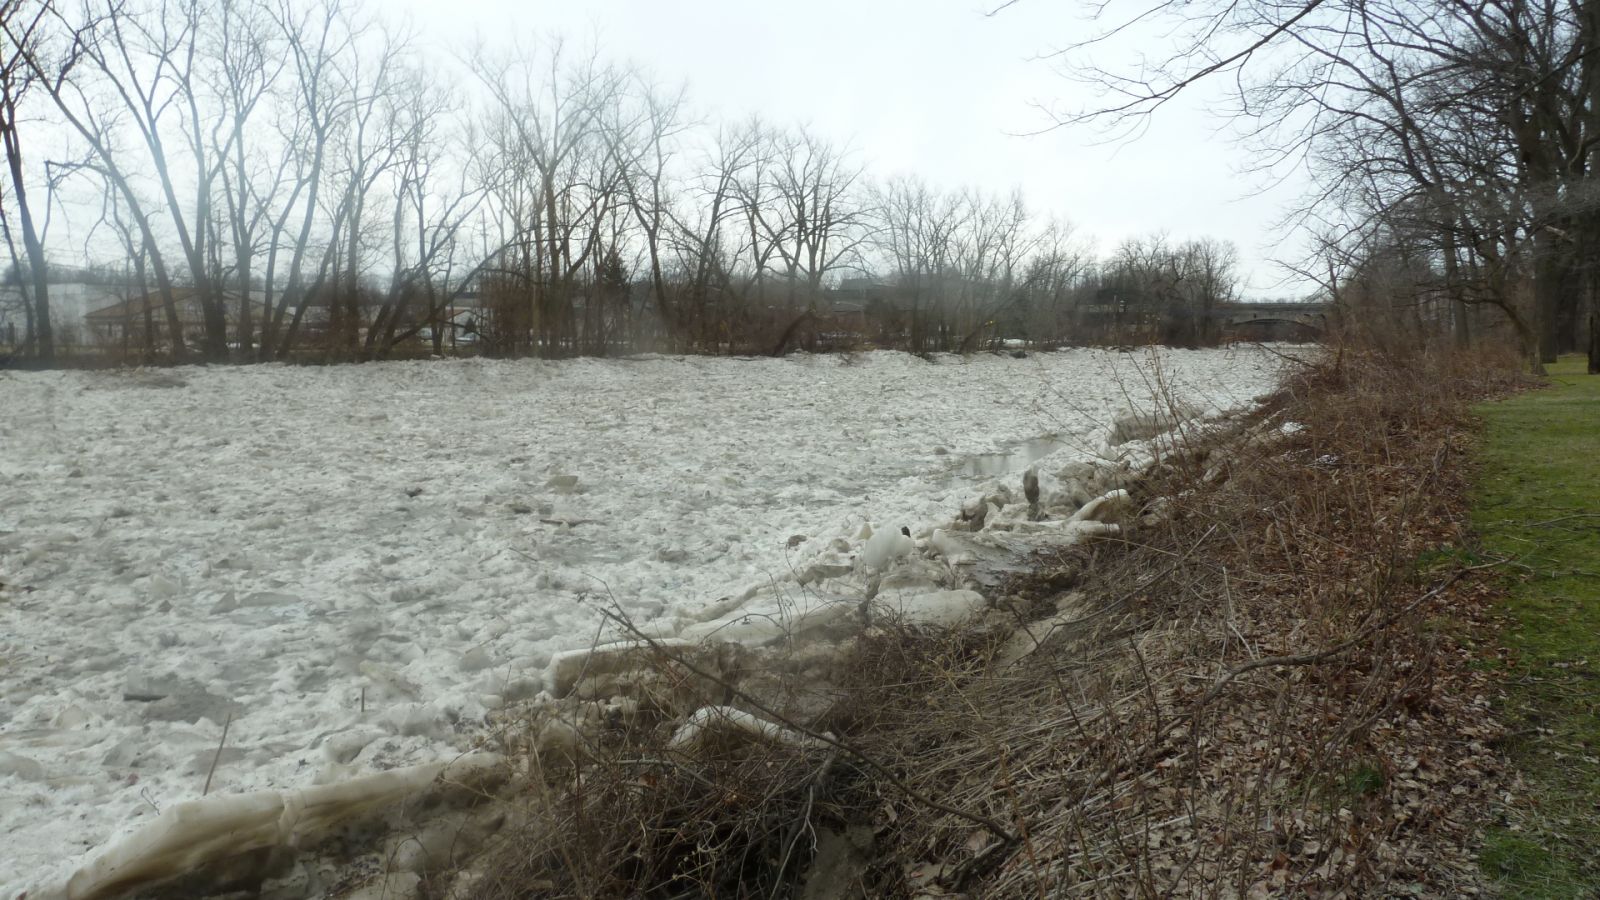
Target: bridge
{"points": [[1272, 321]]}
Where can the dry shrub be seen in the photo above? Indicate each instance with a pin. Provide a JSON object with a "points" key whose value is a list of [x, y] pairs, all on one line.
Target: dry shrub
{"points": [[733, 818], [658, 826]]}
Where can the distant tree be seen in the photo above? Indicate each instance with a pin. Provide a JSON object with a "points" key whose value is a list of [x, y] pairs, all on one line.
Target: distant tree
{"points": [[1472, 129], [318, 39], [23, 22], [249, 64], [646, 144], [554, 179]]}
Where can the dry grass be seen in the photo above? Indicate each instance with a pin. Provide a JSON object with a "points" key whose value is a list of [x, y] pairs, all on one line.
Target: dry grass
{"points": [[1264, 692]]}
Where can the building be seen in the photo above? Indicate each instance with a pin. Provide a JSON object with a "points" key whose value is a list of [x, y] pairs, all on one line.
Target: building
{"points": [[70, 302], [141, 319]]}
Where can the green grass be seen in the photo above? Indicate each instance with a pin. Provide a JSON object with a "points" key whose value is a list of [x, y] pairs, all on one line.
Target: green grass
{"points": [[1538, 503]]}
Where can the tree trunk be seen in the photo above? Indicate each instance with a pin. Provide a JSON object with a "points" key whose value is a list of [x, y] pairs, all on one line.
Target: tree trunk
{"points": [[43, 333], [1546, 297], [1452, 282], [244, 251], [1594, 328]]}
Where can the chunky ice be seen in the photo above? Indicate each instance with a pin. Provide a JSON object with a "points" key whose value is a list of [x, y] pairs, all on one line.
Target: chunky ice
{"points": [[349, 566]]}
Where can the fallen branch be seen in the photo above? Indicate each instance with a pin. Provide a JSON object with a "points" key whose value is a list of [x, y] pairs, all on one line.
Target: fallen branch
{"points": [[221, 742]]}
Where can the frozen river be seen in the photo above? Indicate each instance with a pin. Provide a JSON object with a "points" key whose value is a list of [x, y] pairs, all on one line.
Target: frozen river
{"points": [[279, 546]]}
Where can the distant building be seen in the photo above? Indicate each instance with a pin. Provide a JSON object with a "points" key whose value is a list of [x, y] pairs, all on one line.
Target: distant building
{"points": [[125, 321], [70, 302]]}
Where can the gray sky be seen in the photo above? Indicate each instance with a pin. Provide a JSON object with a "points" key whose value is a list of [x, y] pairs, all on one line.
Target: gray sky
{"points": [[932, 87]]}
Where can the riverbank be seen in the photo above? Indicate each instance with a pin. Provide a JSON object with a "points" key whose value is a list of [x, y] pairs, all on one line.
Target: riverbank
{"points": [[1270, 684]]}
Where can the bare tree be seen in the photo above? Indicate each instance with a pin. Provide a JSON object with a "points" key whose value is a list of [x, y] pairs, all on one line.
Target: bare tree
{"points": [[303, 152], [1428, 109], [708, 245], [802, 204], [149, 64], [648, 149], [557, 179], [249, 63], [98, 127], [22, 21], [316, 39], [916, 228], [377, 134], [426, 223]]}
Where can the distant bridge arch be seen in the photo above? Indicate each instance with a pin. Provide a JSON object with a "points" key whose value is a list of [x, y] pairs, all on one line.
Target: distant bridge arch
{"points": [[1272, 321]]}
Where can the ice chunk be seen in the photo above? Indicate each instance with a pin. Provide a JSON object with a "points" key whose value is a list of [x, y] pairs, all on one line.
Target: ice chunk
{"points": [[187, 836], [726, 721], [1140, 425], [606, 659], [943, 609], [19, 766], [1108, 508], [885, 546]]}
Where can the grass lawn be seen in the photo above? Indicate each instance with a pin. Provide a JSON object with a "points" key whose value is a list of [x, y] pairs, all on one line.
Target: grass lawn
{"points": [[1538, 502]]}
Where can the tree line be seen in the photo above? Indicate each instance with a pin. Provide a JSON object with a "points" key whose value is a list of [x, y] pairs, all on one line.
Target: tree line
{"points": [[292, 179], [1453, 145]]}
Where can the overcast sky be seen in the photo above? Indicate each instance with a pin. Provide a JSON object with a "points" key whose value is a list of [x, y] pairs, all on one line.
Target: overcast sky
{"points": [[932, 87]]}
